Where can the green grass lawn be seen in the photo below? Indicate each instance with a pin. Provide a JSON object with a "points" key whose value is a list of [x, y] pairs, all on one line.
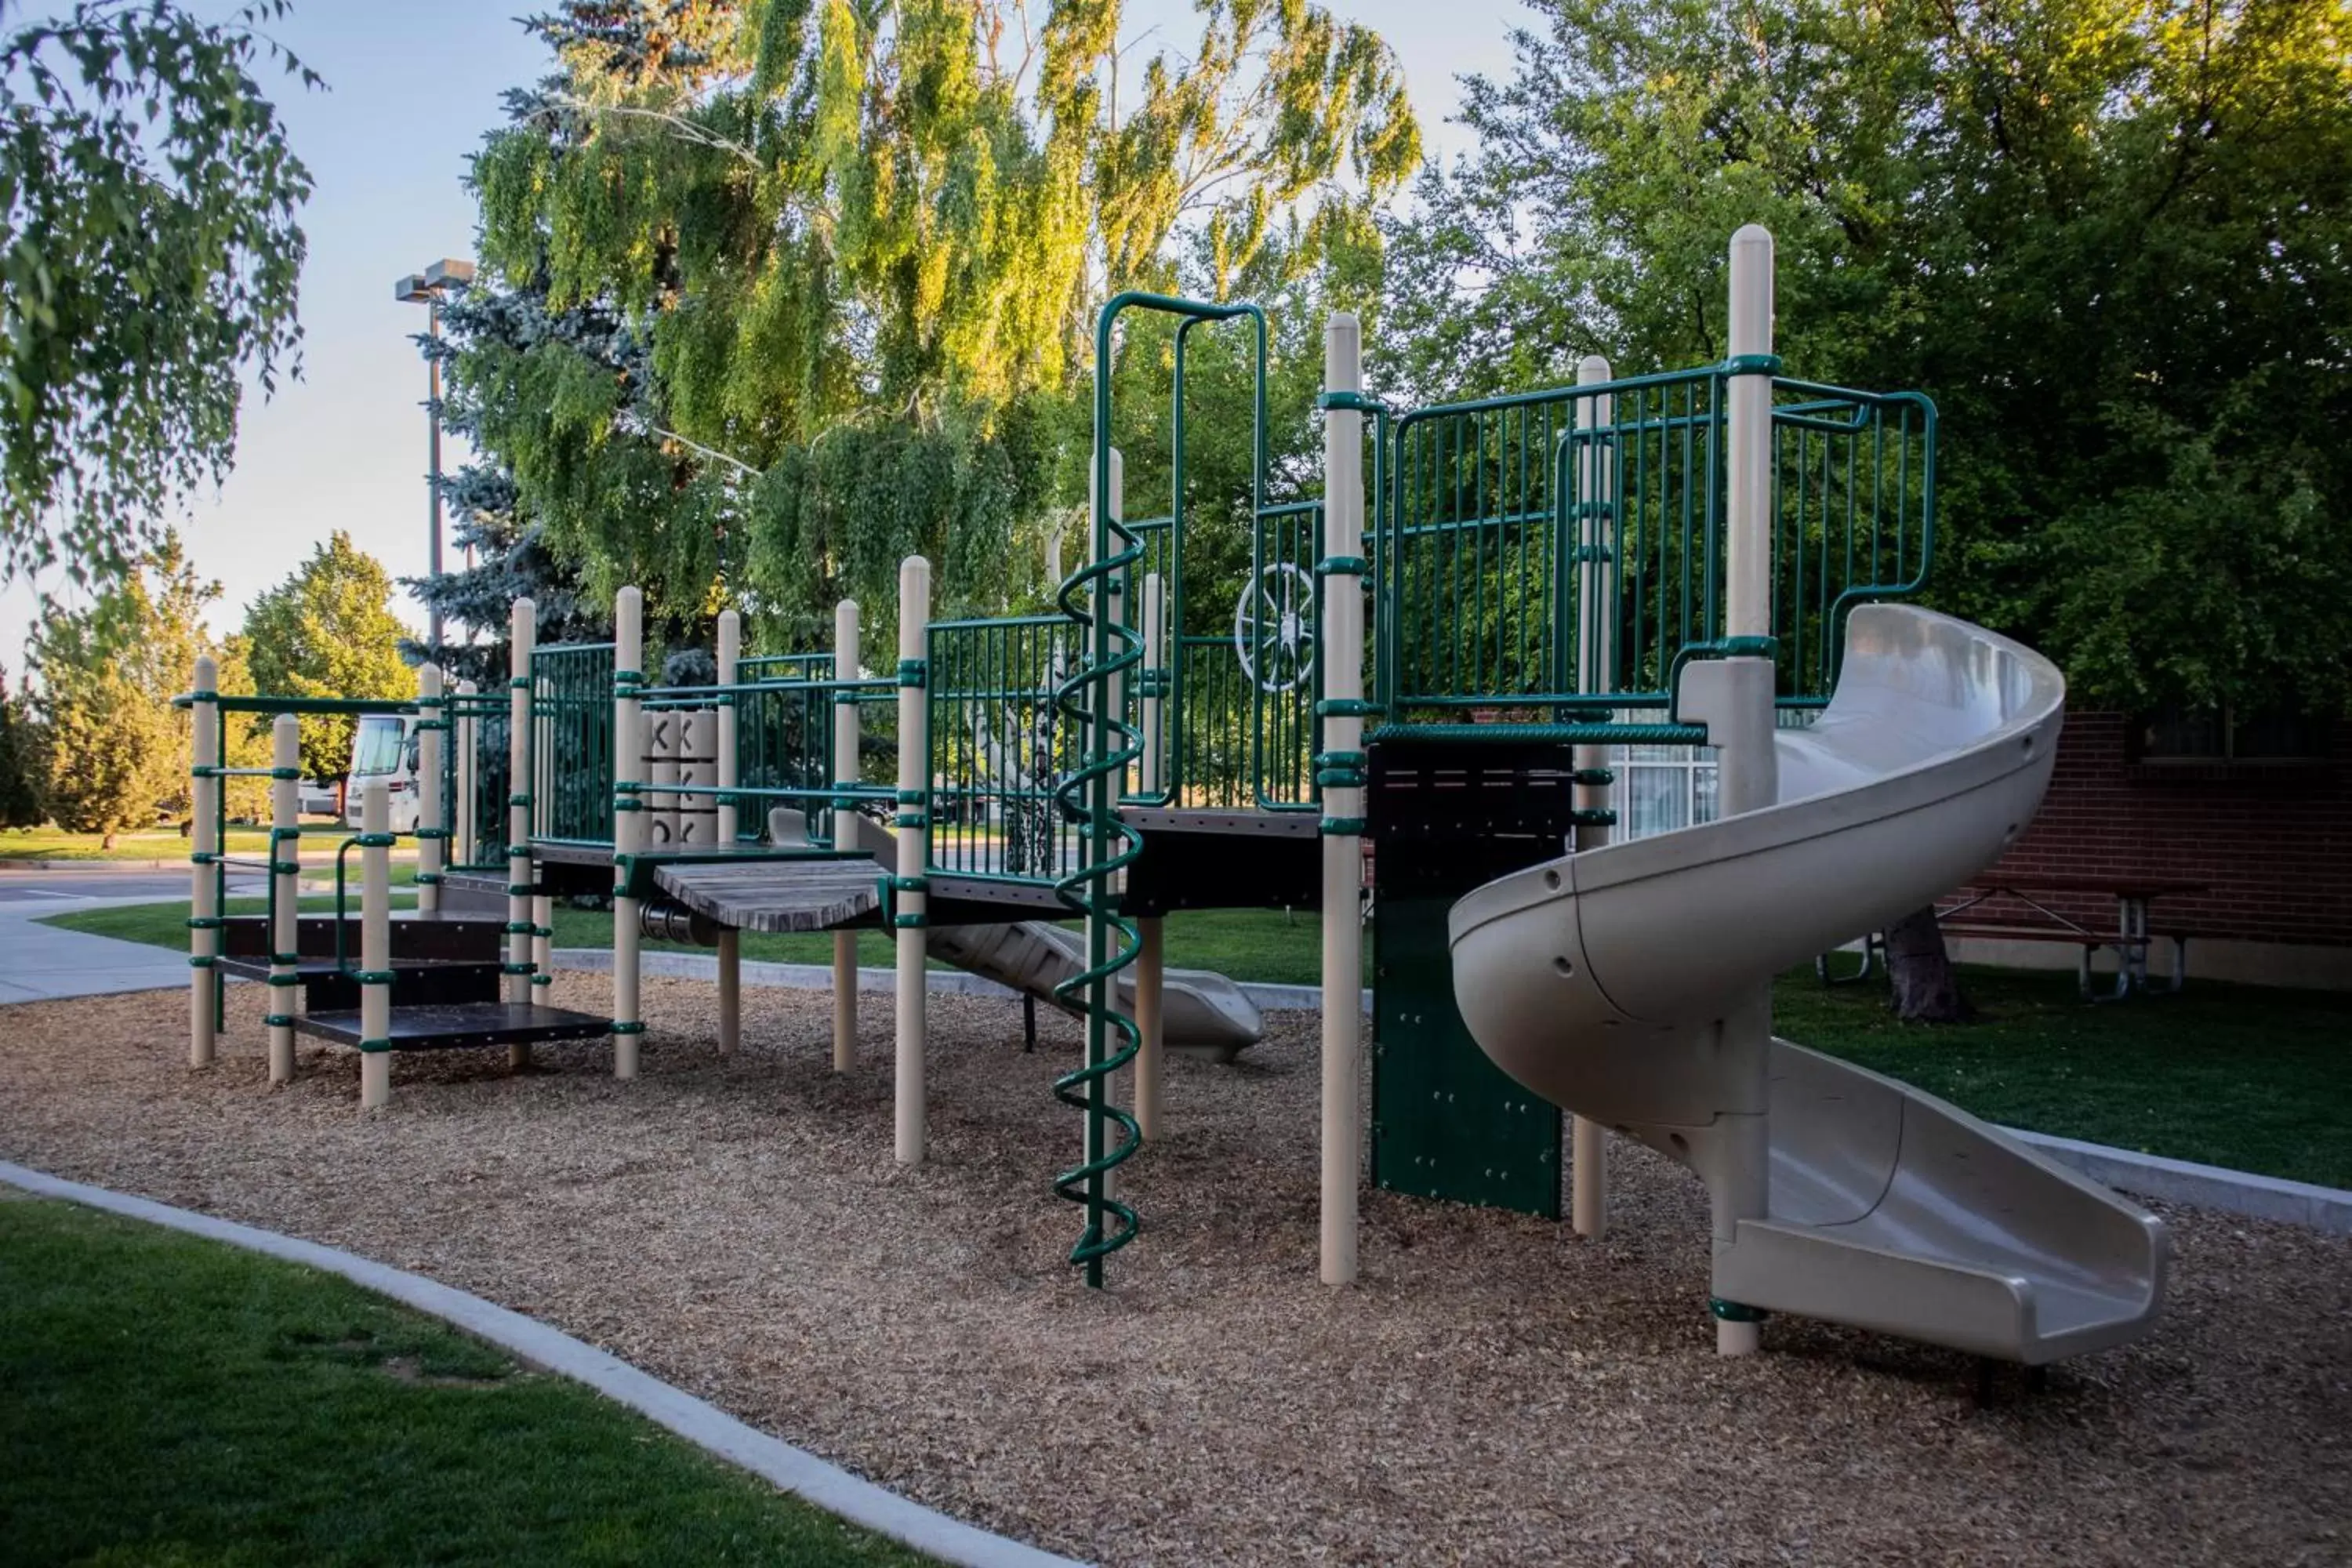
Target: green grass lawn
{"points": [[167, 1400], [159, 843], [1249, 944], [2241, 1076], [164, 843], [2250, 1077]]}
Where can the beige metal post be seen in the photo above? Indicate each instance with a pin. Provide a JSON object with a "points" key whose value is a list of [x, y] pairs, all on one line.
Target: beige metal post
{"points": [[430, 749], [1342, 667], [728, 774], [285, 812], [1152, 933], [1748, 779], [205, 849], [522, 873], [914, 849], [845, 776], [375, 948], [628, 823], [1596, 479]]}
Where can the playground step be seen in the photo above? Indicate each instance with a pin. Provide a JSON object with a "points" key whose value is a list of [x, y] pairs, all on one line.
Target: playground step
{"points": [[447, 1027], [414, 934], [415, 981]]}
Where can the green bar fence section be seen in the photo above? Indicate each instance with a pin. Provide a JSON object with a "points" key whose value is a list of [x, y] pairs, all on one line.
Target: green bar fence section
{"points": [[1503, 521], [474, 798], [571, 750], [1000, 747], [784, 717]]}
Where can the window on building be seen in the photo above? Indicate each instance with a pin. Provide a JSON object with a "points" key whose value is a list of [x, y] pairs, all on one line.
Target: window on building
{"points": [[2225, 735], [1662, 788]]}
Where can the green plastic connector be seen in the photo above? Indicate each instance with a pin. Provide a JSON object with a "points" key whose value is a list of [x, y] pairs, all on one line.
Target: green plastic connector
{"points": [[1734, 1312], [913, 673], [1343, 827], [627, 1027], [1752, 365]]}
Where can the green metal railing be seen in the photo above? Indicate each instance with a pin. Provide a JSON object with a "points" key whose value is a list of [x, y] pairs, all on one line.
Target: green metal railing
{"points": [[783, 738], [1853, 518], [477, 820], [1507, 524], [1000, 747], [571, 750]]}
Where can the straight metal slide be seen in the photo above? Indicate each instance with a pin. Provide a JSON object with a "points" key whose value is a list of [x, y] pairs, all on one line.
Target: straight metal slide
{"points": [[1202, 1012], [1620, 984]]}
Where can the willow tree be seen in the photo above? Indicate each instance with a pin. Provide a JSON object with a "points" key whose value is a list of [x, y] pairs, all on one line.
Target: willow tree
{"points": [[853, 248]]}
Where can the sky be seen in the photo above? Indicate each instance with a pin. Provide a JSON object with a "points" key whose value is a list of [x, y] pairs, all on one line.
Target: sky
{"points": [[411, 88]]}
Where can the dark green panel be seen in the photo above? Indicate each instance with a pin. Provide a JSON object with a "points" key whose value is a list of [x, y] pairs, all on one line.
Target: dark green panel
{"points": [[1446, 1122]]}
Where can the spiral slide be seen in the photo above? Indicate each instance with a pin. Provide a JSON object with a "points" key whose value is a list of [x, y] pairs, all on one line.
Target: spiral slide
{"points": [[1630, 984]]}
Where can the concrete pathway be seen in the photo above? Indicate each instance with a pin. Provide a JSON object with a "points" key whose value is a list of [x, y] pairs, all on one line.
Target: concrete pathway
{"points": [[42, 963]]}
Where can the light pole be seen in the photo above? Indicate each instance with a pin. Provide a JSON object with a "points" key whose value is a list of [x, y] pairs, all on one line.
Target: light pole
{"points": [[426, 287]]}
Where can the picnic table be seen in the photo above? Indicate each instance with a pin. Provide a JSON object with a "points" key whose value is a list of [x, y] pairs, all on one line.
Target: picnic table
{"points": [[2129, 940]]}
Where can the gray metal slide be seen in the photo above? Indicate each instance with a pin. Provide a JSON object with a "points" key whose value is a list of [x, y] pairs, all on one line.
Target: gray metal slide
{"points": [[1618, 983], [1202, 1012]]}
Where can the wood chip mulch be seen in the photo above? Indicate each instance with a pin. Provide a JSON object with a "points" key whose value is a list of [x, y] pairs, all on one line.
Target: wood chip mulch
{"points": [[1493, 1391]]}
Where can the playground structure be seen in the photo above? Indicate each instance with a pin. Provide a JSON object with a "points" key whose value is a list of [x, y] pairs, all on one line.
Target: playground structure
{"points": [[1712, 557]]}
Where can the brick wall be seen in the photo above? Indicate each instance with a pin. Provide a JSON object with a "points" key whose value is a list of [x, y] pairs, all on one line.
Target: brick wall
{"points": [[2272, 841]]}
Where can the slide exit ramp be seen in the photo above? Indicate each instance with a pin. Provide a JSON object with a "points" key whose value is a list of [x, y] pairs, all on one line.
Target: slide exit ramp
{"points": [[1604, 981]]}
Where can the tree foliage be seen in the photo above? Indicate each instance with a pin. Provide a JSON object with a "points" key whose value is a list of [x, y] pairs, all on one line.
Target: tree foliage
{"points": [[149, 256], [113, 753], [326, 632], [841, 258], [2113, 238], [20, 794], [508, 556]]}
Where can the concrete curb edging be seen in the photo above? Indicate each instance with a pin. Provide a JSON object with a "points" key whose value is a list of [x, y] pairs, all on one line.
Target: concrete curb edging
{"points": [[2324, 1209], [791, 1469]]}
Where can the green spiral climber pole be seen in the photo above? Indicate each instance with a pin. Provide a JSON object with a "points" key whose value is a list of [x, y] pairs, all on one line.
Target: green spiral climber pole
{"points": [[1089, 794]]}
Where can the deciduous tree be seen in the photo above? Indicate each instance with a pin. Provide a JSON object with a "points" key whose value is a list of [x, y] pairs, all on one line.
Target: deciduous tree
{"points": [[149, 257], [327, 631], [848, 252]]}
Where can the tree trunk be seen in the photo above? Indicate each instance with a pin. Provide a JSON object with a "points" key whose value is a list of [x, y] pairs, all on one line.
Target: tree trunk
{"points": [[1926, 989], [106, 839]]}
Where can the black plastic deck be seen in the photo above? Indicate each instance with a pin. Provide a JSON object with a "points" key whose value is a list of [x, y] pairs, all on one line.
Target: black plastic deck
{"points": [[414, 934], [462, 1024], [415, 983], [1224, 861]]}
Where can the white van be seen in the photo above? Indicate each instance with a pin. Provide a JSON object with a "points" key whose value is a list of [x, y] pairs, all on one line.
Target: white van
{"points": [[384, 747]]}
